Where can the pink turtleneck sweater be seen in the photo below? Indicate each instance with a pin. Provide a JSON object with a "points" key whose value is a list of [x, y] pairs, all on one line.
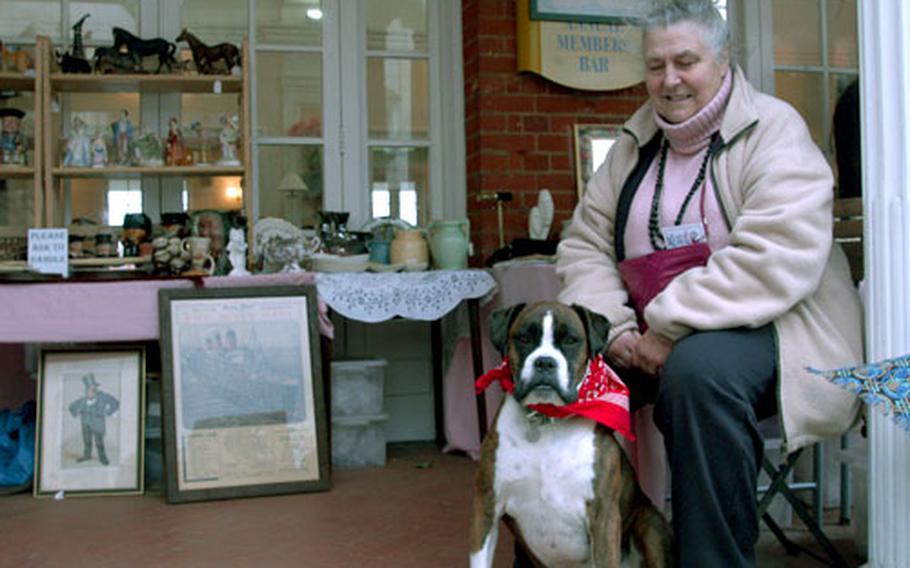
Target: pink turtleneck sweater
{"points": [[688, 144]]}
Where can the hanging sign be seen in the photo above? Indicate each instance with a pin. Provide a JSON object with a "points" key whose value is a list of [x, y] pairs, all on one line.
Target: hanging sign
{"points": [[48, 251], [586, 55]]}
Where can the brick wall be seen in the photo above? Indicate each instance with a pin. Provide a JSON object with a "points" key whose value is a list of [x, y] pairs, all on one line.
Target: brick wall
{"points": [[519, 127]]}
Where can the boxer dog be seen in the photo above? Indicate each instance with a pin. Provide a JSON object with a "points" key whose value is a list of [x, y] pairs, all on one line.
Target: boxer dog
{"points": [[563, 486]]}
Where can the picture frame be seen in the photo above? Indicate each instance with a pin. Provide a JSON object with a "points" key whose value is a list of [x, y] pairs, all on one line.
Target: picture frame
{"points": [[243, 404], [90, 427], [592, 143], [591, 11]]}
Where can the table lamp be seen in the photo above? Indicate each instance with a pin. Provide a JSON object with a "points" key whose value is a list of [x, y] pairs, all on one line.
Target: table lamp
{"points": [[293, 188]]}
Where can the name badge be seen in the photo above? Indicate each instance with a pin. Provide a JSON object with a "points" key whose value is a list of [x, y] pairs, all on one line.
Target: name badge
{"points": [[683, 235]]}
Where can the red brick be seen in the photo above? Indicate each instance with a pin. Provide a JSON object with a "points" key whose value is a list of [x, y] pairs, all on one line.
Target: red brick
{"points": [[554, 143], [536, 123]]}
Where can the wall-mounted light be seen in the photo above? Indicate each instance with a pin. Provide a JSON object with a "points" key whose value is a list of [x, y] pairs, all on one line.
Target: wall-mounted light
{"points": [[233, 192], [314, 13]]}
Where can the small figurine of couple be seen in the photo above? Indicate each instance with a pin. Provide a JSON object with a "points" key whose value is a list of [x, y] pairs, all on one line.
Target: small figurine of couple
{"points": [[230, 134]]}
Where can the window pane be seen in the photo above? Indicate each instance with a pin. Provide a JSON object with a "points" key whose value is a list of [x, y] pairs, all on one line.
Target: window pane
{"points": [[103, 16], [215, 21], [88, 200], [296, 198], [399, 183], [396, 25], [842, 42], [122, 199], [397, 98], [796, 32], [224, 193], [803, 90], [289, 94], [24, 19], [282, 22], [16, 206]]}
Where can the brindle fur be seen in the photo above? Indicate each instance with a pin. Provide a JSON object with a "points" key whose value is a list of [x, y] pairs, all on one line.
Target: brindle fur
{"points": [[622, 514]]}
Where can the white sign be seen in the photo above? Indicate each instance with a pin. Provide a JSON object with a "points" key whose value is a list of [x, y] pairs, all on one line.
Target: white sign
{"points": [[48, 251]]}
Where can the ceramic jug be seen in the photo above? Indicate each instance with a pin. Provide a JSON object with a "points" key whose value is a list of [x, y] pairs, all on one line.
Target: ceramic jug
{"points": [[449, 243], [410, 249]]}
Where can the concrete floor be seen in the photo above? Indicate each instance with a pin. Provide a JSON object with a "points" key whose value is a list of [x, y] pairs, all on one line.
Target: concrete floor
{"points": [[413, 512]]}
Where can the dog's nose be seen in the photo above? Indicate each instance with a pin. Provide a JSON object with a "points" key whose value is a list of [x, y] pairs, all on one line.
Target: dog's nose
{"points": [[545, 364]]}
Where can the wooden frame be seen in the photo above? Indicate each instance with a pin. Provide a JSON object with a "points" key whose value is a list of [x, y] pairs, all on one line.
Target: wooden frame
{"points": [[90, 435], [243, 402], [592, 142], [594, 11]]}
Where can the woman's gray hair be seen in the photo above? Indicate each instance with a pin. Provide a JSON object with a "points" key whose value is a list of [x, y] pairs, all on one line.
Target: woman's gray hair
{"points": [[701, 12]]}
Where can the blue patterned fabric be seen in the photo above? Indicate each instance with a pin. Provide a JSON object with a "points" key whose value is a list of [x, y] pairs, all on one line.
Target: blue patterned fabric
{"points": [[885, 385]]}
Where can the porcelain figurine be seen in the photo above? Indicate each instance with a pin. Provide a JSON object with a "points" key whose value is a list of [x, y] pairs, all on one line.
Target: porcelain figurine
{"points": [[541, 216], [99, 151], [78, 148], [12, 142], [175, 152], [148, 150], [237, 253], [230, 134], [123, 139]]}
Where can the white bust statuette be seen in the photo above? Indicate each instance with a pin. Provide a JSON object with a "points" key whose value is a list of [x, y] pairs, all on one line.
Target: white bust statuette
{"points": [[541, 216], [237, 253]]}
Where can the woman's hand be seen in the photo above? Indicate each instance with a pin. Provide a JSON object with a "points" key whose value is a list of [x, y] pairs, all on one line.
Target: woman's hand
{"points": [[622, 351], [650, 352]]}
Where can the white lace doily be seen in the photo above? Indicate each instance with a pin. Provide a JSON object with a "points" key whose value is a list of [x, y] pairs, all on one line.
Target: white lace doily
{"points": [[427, 296]]}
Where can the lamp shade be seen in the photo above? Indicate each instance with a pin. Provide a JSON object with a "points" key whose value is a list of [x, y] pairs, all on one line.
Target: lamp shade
{"points": [[292, 182]]}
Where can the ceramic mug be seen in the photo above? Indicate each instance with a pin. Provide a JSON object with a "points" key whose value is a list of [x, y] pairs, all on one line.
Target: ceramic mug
{"points": [[201, 261]]}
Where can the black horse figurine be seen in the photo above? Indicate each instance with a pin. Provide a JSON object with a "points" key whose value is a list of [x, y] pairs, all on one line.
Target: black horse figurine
{"points": [[204, 56], [141, 47]]}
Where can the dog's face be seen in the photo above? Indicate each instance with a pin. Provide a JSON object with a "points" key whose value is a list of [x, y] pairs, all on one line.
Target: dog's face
{"points": [[548, 345]]}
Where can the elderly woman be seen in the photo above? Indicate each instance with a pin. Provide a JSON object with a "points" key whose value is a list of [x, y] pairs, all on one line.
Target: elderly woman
{"points": [[706, 239]]}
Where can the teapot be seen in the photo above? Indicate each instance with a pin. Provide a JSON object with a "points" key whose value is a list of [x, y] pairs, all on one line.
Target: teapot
{"points": [[450, 243]]}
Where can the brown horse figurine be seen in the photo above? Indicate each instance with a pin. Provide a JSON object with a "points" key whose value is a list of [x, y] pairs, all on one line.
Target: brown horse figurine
{"points": [[205, 56]]}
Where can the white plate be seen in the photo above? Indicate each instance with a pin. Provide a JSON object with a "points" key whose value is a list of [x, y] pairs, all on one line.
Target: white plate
{"points": [[335, 263], [377, 267]]}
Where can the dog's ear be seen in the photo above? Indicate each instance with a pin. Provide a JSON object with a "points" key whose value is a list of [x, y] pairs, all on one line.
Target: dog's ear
{"points": [[500, 322], [597, 328]]}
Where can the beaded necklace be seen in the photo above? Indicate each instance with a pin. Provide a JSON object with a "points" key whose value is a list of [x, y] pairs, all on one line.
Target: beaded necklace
{"points": [[654, 219]]}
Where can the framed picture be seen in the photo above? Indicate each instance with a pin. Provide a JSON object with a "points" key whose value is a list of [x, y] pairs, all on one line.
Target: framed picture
{"points": [[243, 406], [592, 143], [90, 433], [595, 11]]}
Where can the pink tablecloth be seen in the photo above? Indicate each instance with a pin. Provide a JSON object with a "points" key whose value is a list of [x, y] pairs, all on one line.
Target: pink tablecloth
{"points": [[123, 310]]}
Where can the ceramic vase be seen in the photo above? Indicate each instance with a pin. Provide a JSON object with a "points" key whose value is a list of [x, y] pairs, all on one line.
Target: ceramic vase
{"points": [[449, 243], [410, 249]]}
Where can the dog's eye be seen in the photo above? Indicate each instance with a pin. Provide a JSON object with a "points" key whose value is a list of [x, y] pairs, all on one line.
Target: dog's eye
{"points": [[571, 340], [523, 339]]}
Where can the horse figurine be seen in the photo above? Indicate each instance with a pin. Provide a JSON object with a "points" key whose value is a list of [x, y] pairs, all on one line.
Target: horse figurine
{"points": [[204, 56], [161, 47]]}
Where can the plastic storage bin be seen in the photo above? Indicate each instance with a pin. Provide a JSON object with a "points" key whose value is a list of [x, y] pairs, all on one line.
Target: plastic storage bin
{"points": [[358, 441], [357, 387]]}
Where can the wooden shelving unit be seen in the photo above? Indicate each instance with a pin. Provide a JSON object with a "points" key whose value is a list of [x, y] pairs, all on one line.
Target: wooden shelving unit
{"points": [[53, 82], [29, 82]]}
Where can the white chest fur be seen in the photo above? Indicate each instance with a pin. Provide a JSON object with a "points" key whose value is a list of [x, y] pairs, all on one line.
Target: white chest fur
{"points": [[544, 485]]}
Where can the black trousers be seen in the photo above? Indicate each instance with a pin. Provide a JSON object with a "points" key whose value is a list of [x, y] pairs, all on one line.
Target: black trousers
{"points": [[713, 390], [88, 434]]}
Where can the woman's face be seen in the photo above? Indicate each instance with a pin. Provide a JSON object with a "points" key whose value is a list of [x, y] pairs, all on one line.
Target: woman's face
{"points": [[682, 72]]}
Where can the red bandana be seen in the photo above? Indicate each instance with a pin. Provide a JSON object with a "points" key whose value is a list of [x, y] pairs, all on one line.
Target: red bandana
{"points": [[602, 396]]}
